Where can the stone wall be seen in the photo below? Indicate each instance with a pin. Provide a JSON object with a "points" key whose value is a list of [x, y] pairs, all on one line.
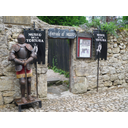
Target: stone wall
{"points": [[9, 84], [112, 72]]}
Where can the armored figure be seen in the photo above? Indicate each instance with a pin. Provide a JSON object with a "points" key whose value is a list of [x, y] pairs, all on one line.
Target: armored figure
{"points": [[23, 54]]}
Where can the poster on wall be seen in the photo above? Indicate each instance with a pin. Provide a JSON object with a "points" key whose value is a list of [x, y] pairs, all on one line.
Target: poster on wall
{"points": [[84, 47]]}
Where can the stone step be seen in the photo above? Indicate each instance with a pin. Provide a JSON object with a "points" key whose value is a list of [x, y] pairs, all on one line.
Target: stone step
{"points": [[55, 81], [51, 81]]}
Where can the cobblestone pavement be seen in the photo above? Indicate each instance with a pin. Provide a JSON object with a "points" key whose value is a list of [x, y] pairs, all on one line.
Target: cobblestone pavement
{"points": [[110, 100]]}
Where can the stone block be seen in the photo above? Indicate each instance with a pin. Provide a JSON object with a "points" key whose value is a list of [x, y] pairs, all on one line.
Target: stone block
{"points": [[8, 93], [81, 85], [5, 62], [126, 80], [116, 55], [2, 42], [113, 77], [105, 77], [1, 71], [112, 70], [107, 83], [8, 100], [79, 88], [41, 70], [117, 82], [1, 99], [10, 44], [104, 70], [42, 85], [116, 65], [9, 70], [92, 84], [122, 51], [1, 26], [122, 46], [6, 83], [26, 20], [124, 58], [113, 60], [125, 85], [81, 72], [15, 35], [121, 76], [116, 50], [109, 51], [115, 45], [4, 52], [126, 75]]}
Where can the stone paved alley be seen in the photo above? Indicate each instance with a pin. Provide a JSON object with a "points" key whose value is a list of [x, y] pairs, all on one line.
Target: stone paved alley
{"points": [[114, 99], [110, 100]]}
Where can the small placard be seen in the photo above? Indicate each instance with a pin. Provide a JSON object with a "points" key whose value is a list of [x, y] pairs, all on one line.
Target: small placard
{"points": [[62, 33], [84, 45]]}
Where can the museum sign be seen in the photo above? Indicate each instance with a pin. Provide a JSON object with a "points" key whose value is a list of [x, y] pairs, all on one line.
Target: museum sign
{"points": [[61, 33]]}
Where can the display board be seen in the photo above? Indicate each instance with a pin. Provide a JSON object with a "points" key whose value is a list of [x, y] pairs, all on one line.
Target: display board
{"points": [[36, 37]]}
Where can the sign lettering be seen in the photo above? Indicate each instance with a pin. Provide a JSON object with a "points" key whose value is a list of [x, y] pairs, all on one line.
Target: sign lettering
{"points": [[60, 33]]}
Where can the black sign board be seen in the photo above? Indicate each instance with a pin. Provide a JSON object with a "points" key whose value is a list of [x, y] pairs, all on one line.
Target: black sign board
{"points": [[36, 37], [100, 38], [61, 33]]}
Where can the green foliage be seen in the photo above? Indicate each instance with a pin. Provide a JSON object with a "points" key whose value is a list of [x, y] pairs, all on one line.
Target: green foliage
{"points": [[64, 20], [110, 27], [66, 82], [95, 23], [125, 18], [55, 69], [68, 41]]}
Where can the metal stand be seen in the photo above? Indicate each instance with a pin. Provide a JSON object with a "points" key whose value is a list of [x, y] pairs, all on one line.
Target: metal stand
{"points": [[98, 54], [20, 104]]}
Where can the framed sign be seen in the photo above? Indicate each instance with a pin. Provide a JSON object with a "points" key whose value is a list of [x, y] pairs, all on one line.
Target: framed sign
{"points": [[84, 47], [61, 33], [36, 37], [100, 37]]}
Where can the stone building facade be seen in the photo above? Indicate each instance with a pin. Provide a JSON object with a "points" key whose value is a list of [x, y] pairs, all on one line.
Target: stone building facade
{"points": [[83, 72], [10, 28], [112, 72]]}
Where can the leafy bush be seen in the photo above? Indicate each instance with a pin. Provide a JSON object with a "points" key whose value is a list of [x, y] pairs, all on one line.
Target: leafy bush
{"points": [[64, 20], [125, 18], [95, 23], [110, 27], [55, 69]]}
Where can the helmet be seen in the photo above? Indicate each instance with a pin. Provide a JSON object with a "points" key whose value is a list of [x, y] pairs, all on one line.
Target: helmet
{"points": [[21, 39]]}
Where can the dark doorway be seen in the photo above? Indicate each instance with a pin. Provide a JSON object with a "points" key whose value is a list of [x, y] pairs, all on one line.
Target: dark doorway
{"points": [[58, 53], [58, 57]]}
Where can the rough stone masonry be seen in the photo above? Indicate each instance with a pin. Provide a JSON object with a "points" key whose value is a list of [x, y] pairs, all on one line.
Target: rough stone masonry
{"points": [[113, 71], [10, 28]]}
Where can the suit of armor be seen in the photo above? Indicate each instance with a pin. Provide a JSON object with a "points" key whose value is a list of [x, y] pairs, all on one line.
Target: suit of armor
{"points": [[23, 54]]}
